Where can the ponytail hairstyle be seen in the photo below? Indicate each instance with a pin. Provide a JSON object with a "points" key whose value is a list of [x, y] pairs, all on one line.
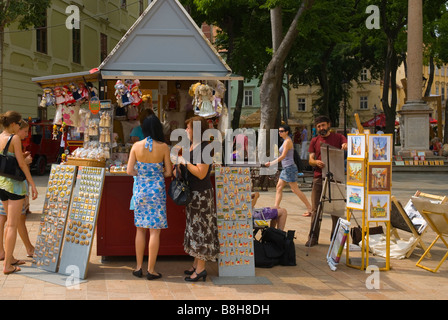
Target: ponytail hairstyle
{"points": [[10, 117]]}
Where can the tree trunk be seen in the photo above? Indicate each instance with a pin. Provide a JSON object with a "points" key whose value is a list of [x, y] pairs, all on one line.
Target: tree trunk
{"points": [[431, 76], [272, 80], [238, 106], [445, 129]]}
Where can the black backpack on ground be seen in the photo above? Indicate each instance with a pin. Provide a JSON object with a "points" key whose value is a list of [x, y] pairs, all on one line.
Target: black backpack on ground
{"points": [[275, 247]]}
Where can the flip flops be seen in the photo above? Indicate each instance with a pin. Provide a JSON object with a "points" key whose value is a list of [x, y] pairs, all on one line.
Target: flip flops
{"points": [[307, 214], [16, 269], [18, 263]]}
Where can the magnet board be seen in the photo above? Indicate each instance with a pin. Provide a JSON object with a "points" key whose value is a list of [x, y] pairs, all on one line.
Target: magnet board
{"points": [[54, 216], [235, 225], [81, 222]]}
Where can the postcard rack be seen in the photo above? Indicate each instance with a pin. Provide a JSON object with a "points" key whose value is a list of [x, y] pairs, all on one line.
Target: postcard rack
{"points": [[369, 184]]}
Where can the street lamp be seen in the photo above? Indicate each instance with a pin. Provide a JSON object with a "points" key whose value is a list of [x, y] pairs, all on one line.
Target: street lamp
{"points": [[374, 116]]}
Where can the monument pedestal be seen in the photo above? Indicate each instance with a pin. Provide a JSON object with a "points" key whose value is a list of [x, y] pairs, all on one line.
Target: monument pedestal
{"points": [[414, 126]]}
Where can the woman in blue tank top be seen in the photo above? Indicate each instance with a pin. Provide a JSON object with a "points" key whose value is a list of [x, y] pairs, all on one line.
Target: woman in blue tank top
{"points": [[289, 169]]}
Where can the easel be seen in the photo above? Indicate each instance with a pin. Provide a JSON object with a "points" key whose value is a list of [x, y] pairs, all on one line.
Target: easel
{"points": [[326, 187], [365, 208]]}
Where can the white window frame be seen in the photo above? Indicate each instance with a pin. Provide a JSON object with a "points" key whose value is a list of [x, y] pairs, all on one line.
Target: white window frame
{"points": [[248, 97], [364, 75], [301, 104], [364, 102]]}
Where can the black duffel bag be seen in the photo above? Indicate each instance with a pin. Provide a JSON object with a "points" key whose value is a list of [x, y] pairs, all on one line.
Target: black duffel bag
{"points": [[275, 247]]}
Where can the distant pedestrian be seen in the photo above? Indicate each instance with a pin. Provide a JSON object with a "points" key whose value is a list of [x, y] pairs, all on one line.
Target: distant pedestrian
{"points": [[304, 138], [297, 139]]}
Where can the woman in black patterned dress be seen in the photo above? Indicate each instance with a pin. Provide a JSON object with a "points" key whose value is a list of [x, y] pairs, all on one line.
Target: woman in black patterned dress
{"points": [[201, 231]]}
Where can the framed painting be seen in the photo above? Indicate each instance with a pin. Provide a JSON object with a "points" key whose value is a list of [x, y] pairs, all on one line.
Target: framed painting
{"points": [[380, 148], [355, 197], [378, 208], [379, 177], [356, 146], [355, 172]]}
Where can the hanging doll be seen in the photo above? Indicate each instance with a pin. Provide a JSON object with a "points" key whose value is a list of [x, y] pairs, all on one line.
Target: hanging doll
{"points": [[219, 95], [55, 132], [192, 92], [93, 91], [69, 100], [59, 95], [75, 92], [136, 93], [48, 98], [83, 91], [205, 98], [122, 94]]}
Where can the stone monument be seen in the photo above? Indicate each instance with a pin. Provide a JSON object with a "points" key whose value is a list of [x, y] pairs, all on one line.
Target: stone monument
{"points": [[414, 120]]}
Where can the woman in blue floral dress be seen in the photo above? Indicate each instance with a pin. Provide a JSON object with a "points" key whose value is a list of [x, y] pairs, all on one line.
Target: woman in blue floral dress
{"points": [[149, 161]]}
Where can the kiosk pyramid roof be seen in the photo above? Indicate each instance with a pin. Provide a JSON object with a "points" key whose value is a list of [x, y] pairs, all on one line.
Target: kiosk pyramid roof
{"points": [[165, 43]]}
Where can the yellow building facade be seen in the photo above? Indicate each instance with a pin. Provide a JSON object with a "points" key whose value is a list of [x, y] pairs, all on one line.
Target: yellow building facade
{"points": [[364, 99], [57, 49]]}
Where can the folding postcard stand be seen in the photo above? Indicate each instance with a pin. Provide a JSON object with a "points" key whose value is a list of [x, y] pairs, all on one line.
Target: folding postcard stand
{"points": [[436, 214], [369, 176]]}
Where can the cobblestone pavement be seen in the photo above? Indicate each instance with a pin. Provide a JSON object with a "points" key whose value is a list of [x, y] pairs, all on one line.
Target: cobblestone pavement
{"points": [[310, 279]]}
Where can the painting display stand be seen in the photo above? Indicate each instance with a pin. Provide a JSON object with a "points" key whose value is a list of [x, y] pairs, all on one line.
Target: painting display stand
{"points": [[369, 184]]}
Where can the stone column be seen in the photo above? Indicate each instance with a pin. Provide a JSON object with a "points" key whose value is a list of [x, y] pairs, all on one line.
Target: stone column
{"points": [[414, 120]]}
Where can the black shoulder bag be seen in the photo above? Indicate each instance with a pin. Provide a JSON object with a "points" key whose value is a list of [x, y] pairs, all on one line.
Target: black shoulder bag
{"points": [[179, 190], [9, 167]]}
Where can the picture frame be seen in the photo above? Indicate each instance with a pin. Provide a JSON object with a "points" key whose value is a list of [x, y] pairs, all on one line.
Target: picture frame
{"points": [[355, 197], [380, 148], [378, 207], [356, 146], [356, 172], [379, 178]]}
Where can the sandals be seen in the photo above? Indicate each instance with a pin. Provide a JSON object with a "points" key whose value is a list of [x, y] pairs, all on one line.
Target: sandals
{"points": [[307, 214], [16, 269], [18, 263]]}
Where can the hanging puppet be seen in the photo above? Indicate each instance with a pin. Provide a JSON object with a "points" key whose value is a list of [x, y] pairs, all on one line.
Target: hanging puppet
{"points": [[136, 93], [204, 94], [48, 98], [69, 100], [59, 95]]}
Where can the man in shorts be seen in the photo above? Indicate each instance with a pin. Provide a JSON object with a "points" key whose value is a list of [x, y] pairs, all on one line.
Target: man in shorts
{"points": [[276, 215], [324, 135]]}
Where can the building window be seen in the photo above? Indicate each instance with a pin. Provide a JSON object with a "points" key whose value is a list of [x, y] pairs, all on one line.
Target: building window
{"points": [[437, 90], [103, 49], [443, 93], [76, 45], [248, 98], [364, 103], [41, 36], [363, 75], [301, 103]]}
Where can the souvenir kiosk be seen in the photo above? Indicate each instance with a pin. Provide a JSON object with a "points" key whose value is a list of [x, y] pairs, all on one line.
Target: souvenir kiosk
{"points": [[164, 63]]}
